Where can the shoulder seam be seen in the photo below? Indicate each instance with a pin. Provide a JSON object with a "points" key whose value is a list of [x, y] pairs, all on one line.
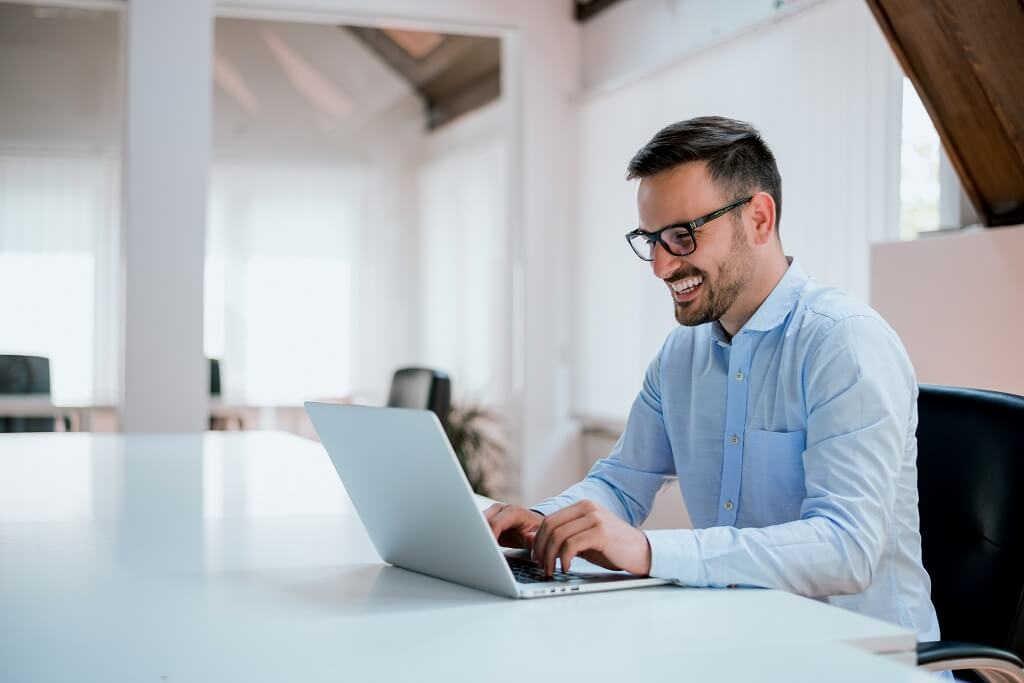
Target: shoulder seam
{"points": [[845, 316], [834, 322]]}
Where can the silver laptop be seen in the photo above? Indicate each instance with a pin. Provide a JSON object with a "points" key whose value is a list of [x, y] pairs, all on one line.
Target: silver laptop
{"points": [[414, 500]]}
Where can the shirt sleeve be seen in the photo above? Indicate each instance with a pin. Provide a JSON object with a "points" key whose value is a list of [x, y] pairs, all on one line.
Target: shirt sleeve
{"points": [[860, 395], [639, 464]]}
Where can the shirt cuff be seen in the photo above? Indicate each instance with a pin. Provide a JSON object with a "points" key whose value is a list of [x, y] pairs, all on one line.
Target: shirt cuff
{"points": [[546, 508], [675, 555]]}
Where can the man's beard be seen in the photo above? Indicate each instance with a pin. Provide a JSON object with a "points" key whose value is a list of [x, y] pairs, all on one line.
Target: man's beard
{"points": [[719, 296]]}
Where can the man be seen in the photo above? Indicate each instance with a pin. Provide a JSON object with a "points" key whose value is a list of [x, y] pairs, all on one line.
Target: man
{"points": [[787, 410]]}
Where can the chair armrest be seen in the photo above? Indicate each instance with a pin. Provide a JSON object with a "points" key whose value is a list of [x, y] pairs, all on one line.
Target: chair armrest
{"points": [[990, 663]]}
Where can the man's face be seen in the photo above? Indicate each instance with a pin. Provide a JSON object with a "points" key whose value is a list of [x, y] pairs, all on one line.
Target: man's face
{"points": [[722, 265]]}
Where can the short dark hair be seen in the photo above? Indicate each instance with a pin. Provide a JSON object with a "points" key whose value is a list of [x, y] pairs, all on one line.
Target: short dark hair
{"points": [[738, 160]]}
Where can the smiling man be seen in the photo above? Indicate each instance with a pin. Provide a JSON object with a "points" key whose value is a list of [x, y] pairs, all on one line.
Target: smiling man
{"points": [[787, 410]]}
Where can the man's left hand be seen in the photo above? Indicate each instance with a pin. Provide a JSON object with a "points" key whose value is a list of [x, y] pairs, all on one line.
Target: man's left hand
{"points": [[589, 531]]}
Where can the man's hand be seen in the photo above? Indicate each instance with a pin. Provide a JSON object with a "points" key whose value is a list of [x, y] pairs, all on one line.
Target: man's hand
{"points": [[513, 526], [589, 531]]}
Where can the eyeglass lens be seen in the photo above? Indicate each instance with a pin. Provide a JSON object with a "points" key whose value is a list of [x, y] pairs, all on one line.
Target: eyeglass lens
{"points": [[679, 240]]}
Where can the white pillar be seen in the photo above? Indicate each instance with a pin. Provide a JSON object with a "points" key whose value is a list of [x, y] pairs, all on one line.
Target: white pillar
{"points": [[166, 157]]}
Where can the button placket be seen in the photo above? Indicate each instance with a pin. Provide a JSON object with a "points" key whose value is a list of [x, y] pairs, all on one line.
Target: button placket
{"points": [[735, 420]]}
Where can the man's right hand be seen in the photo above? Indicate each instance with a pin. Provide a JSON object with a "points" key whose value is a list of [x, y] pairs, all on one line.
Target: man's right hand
{"points": [[512, 525]]}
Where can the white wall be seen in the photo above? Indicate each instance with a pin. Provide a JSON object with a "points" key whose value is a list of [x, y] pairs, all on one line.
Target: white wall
{"points": [[957, 301], [632, 39], [822, 86]]}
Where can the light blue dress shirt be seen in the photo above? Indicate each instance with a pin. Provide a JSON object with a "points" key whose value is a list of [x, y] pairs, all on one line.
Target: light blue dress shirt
{"points": [[794, 447]]}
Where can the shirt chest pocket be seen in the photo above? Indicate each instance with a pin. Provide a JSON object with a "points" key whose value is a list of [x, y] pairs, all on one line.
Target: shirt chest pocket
{"points": [[773, 486]]}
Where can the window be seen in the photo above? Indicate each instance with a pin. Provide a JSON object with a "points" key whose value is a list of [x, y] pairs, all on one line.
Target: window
{"points": [[279, 280], [59, 195], [310, 234], [919, 168]]}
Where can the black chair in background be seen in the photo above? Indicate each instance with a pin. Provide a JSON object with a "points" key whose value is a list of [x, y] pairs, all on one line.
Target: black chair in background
{"points": [[26, 376], [423, 389], [970, 472], [214, 377], [220, 422], [215, 422]]}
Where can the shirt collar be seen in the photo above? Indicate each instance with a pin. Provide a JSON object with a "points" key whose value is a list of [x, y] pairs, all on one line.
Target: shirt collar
{"points": [[776, 307]]}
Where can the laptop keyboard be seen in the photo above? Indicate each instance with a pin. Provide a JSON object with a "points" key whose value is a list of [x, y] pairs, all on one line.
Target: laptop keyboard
{"points": [[526, 571]]}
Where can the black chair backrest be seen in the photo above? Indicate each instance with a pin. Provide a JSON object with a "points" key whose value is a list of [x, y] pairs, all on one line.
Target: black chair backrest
{"points": [[25, 375], [214, 377], [423, 389], [970, 471]]}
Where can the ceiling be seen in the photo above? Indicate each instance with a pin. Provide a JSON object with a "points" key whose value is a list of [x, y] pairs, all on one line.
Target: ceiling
{"points": [[453, 74]]}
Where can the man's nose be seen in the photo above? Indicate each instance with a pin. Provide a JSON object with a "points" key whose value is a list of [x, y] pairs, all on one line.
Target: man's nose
{"points": [[664, 263]]}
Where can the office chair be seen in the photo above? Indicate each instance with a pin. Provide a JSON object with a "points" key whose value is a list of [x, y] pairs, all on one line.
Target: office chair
{"points": [[970, 459], [220, 423], [214, 377], [423, 389], [29, 376], [214, 368]]}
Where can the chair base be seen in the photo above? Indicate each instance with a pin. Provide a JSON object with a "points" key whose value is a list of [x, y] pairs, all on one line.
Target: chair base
{"points": [[989, 670]]}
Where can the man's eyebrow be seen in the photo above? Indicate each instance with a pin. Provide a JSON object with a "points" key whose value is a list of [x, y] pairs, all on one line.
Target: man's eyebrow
{"points": [[677, 224]]}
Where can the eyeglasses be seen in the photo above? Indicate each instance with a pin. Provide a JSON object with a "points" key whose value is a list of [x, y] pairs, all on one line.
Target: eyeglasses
{"points": [[678, 239]]}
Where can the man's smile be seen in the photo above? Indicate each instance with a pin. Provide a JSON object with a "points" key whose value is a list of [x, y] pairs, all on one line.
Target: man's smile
{"points": [[686, 289]]}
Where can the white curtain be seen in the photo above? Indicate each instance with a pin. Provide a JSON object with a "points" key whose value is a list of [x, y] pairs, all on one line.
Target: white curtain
{"points": [[59, 220], [281, 278], [462, 207]]}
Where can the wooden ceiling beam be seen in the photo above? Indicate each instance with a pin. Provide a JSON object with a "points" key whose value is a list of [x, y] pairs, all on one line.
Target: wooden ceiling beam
{"points": [[966, 60]]}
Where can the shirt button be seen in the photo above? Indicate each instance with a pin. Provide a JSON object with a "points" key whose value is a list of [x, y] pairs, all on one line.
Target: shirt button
{"points": [[739, 376], [728, 505], [734, 439]]}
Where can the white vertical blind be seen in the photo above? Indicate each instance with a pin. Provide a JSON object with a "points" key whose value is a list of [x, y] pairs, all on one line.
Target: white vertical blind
{"points": [[462, 204], [280, 279], [824, 89], [58, 236], [309, 251]]}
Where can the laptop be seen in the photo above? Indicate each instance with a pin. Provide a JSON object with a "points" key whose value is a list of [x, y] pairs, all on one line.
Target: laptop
{"points": [[419, 510]]}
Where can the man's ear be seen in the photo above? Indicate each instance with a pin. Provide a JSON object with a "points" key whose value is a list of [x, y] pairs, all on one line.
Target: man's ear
{"points": [[762, 215]]}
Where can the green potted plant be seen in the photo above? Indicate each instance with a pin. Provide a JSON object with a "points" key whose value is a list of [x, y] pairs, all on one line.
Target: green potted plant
{"points": [[471, 430]]}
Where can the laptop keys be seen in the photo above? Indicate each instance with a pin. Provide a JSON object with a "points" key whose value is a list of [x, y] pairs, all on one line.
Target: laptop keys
{"points": [[529, 572]]}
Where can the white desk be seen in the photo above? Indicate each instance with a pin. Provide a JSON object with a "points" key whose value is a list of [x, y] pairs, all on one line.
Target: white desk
{"points": [[231, 557]]}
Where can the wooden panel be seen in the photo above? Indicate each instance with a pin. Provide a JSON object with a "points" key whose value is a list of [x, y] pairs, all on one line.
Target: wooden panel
{"points": [[966, 60]]}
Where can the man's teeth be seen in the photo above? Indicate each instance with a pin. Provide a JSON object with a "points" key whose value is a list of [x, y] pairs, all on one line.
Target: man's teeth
{"points": [[687, 284]]}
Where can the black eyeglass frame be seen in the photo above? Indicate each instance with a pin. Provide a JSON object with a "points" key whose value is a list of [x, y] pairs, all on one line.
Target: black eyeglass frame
{"points": [[691, 227]]}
